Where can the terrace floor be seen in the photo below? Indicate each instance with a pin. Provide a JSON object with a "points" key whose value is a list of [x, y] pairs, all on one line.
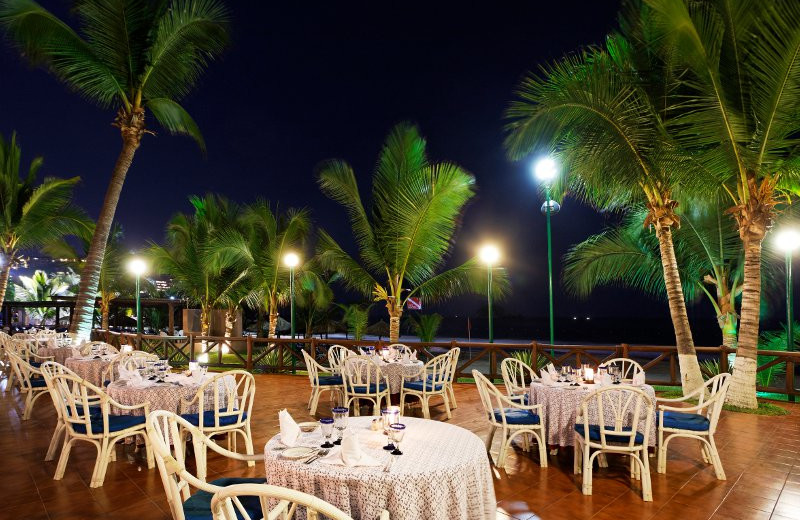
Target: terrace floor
{"points": [[761, 456]]}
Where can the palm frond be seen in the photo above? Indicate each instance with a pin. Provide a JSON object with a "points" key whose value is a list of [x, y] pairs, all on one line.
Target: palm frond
{"points": [[333, 258], [176, 120]]}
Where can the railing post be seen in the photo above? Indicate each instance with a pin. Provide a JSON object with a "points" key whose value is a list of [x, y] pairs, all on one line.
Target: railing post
{"points": [[624, 350], [535, 358], [492, 364], [313, 348], [790, 379], [249, 343], [672, 367], [192, 357], [723, 358]]}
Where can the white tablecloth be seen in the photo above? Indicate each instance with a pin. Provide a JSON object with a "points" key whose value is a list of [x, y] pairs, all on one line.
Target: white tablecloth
{"points": [[443, 474], [89, 369], [396, 372], [561, 408], [59, 354], [163, 396]]}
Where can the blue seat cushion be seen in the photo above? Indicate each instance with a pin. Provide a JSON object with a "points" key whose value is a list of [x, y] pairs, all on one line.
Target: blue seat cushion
{"points": [[36, 364], [208, 418], [37, 382], [516, 416], [330, 380], [594, 434], [430, 386], [198, 506], [115, 423], [686, 421], [373, 388]]}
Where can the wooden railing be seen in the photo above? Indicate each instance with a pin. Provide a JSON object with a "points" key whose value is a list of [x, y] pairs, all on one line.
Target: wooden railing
{"points": [[282, 355]]}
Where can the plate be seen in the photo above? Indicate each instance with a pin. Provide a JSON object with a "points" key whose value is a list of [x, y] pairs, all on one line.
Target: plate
{"points": [[308, 426], [299, 452]]}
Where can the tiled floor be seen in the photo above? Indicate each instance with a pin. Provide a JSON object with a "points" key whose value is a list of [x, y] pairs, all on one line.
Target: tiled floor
{"points": [[761, 456]]}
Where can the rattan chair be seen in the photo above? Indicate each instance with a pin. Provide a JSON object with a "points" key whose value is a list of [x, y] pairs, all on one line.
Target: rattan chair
{"points": [[614, 419], [628, 368], [363, 379], [336, 355], [512, 418], [31, 382], [517, 377], [455, 352], [322, 380], [430, 381], [694, 422]]}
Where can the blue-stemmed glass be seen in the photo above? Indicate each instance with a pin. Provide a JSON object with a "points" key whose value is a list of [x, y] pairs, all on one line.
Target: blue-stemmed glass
{"points": [[396, 432], [340, 415], [384, 413], [326, 424]]}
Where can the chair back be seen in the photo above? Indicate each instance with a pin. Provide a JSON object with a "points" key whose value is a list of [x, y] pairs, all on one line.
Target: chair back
{"points": [[438, 370], [336, 355], [230, 394], [128, 361], [225, 504], [491, 398], [50, 369], [517, 376], [76, 397], [713, 397], [400, 348], [627, 367], [621, 411], [163, 428], [312, 368], [86, 348], [360, 372], [455, 353], [22, 370]]}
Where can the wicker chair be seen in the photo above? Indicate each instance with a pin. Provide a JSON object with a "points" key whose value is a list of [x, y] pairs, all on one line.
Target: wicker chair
{"points": [[336, 355], [31, 382], [430, 381], [627, 367], [320, 383], [455, 352], [363, 379], [517, 377]]}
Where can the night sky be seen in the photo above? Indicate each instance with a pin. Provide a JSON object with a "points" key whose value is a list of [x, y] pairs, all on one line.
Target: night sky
{"points": [[304, 83]]}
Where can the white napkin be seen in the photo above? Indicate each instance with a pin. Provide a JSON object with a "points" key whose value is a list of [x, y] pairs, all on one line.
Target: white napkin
{"points": [[290, 431], [406, 357], [349, 454], [606, 379], [551, 369], [547, 380], [137, 381], [638, 379]]}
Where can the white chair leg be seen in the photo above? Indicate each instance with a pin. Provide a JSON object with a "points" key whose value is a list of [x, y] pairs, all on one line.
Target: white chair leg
{"points": [[64, 458], [602, 461], [26, 414], [490, 438], [586, 489], [248, 443], [647, 487], [452, 396], [661, 464], [704, 453], [576, 458], [426, 411], [715, 460], [504, 445], [314, 400], [447, 404], [542, 450], [54, 441], [356, 407], [100, 464]]}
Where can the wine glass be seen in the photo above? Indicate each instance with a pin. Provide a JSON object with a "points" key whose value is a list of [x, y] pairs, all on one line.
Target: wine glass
{"points": [[340, 415], [385, 413], [326, 424], [396, 433]]}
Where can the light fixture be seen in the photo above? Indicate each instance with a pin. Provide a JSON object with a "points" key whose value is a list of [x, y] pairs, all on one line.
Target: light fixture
{"points": [[137, 266], [291, 260], [545, 169], [787, 240], [489, 254]]}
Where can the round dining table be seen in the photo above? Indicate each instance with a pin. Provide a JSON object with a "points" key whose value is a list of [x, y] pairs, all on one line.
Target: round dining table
{"points": [[90, 368], [161, 396], [561, 402], [59, 354], [398, 371], [443, 474]]}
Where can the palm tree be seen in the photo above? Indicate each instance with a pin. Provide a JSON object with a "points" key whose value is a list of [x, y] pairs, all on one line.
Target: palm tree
{"points": [[201, 274], [736, 109], [599, 116], [314, 298], [426, 326], [405, 237], [32, 215], [43, 287], [708, 255], [130, 55]]}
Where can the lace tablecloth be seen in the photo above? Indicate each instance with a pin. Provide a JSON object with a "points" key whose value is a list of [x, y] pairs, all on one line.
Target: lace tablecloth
{"points": [[59, 354], [89, 368], [561, 408], [443, 474], [396, 372]]}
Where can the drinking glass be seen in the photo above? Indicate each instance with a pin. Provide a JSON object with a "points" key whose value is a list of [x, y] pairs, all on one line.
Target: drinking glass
{"points": [[396, 433], [326, 424], [340, 415], [563, 375]]}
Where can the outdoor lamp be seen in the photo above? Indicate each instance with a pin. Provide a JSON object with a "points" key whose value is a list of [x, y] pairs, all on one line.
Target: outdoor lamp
{"points": [[788, 240], [137, 267], [489, 255]]}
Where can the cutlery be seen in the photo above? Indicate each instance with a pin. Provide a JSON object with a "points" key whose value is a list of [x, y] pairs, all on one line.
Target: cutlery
{"points": [[319, 454]]}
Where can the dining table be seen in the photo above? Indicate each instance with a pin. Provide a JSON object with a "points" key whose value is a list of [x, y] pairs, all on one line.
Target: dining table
{"points": [[398, 371], [560, 407], [90, 368], [442, 474], [59, 354], [166, 395]]}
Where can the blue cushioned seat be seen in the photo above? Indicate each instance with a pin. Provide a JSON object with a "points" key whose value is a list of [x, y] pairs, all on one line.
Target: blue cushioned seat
{"points": [[208, 418], [686, 421], [38, 382], [115, 423], [430, 386], [516, 416], [373, 388], [198, 506], [330, 380], [594, 434], [36, 364]]}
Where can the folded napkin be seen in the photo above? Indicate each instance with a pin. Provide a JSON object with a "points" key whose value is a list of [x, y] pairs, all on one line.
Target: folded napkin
{"points": [[290, 431], [547, 380], [638, 379], [349, 454], [606, 379], [551, 369]]}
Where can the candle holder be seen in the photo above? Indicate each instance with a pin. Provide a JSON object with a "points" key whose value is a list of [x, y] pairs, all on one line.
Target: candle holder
{"points": [[390, 415]]}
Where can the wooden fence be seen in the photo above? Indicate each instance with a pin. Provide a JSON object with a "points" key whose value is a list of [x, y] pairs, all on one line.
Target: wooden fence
{"points": [[282, 355]]}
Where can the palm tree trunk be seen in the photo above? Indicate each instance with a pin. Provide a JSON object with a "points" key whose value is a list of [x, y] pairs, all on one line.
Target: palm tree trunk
{"points": [[205, 321], [394, 324], [4, 275], [730, 337], [691, 377], [230, 320], [742, 391], [273, 324], [104, 308], [131, 128]]}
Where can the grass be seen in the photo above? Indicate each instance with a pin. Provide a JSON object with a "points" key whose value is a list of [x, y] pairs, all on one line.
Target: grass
{"points": [[764, 407]]}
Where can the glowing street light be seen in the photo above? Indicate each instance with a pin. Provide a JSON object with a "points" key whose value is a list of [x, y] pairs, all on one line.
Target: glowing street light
{"points": [[489, 255], [137, 267], [546, 170], [788, 240], [291, 260]]}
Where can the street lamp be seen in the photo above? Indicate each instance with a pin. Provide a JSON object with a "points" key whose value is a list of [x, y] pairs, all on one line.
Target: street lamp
{"points": [[137, 267], [788, 240], [546, 170], [489, 255], [291, 260]]}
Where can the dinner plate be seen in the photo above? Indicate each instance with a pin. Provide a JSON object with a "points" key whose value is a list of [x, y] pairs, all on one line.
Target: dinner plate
{"points": [[308, 426], [299, 452]]}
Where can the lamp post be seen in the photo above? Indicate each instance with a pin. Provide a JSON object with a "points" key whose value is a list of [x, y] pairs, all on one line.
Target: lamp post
{"points": [[291, 260], [546, 171], [788, 240], [137, 267], [489, 255]]}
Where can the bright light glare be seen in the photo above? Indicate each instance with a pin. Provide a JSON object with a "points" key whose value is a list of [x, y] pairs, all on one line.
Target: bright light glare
{"points": [[489, 254], [291, 259], [545, 169], [202, 358], [137, 266], [787, 240]]}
